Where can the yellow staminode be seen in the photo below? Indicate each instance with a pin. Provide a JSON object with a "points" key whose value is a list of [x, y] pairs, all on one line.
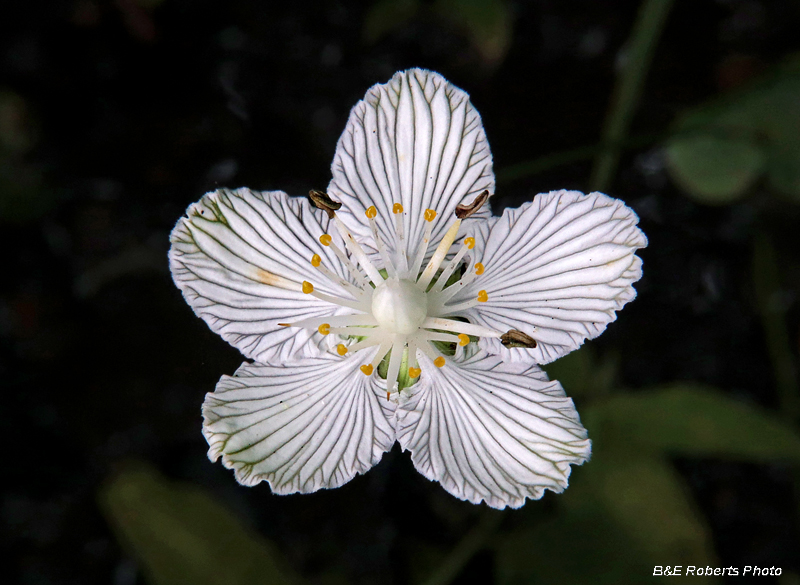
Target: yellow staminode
{"points": [[308, 288], [414, 372], [367, 369], [341, 349], [397, 208], [482, 296], [438, 362], [325, 239], [325, 328], [479, 268], [430, 215], [316, 260], [469, 242], [463, 339]]}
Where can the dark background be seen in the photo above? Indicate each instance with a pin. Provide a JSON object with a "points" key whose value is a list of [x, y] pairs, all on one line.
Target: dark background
{"points": [[117, 115]]}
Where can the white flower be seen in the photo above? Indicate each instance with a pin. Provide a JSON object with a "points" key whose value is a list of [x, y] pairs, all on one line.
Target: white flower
{"points": [[322, 299]]}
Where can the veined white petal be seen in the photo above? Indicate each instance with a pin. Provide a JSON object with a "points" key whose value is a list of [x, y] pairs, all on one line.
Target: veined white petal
{"points": [[557, 269], [491, 431], [417, 141], [301, 426], [240, 257]]}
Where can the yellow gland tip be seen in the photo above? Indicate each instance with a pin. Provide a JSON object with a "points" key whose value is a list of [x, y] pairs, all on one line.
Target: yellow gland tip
{"points": [[397, 208], [438, 362], [479, 268], [414, 372], [371, 212], [324, 329], [308, 288], [325, 239], [463, 339], [367, 369], [482, 296], [469, 243], [341, 349], [316, 260], [430, 215]]}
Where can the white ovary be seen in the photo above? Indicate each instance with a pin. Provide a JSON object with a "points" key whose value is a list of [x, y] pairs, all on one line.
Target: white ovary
{"points": [[399, 306]]}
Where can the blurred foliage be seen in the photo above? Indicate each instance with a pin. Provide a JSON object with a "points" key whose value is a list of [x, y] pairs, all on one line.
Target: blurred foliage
{"points": [[771, 307], [628, 509], [625, 511], [488, 24], [18, 129], [22, 193], [386, 16], [583, 373], [720, 149], [180, 535], [691, 420], [581, 547]]}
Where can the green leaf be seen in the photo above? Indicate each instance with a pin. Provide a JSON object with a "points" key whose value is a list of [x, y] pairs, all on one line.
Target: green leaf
{"points": [[645, 498], [721, 148], [713, 169], [623, 513], [574, 548], [180, 535], [688, 419]]}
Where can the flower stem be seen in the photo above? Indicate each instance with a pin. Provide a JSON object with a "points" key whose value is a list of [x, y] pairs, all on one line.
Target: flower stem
{"points": [[766, 280], [628, 88], [573, 155], [472, 542]]}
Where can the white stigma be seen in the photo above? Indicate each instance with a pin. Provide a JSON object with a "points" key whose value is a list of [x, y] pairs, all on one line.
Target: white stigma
{"points": [[405, 311]]}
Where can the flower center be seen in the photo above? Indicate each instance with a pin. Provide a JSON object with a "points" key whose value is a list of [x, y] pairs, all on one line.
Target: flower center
{"points": [[399, 306], [403, 309]]}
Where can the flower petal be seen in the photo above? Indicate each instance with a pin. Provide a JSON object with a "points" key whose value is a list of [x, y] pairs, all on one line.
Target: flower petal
{"points": [[417, 141], [301, 426], [491, 431], [240, 257], [557, 269]]}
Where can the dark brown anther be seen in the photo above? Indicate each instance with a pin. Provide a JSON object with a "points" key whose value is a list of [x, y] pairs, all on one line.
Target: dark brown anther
{"points": [[464, 211], [516, 338], [321, 200]]}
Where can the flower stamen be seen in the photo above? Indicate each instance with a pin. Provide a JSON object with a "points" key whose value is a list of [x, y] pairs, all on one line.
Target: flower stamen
{"points": [[308, 289], [429, 215], [358, 252], [398, 313], [316, 262], [439, 255], [453, 264], [327, 240], [397, 209], [371, 213]]}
